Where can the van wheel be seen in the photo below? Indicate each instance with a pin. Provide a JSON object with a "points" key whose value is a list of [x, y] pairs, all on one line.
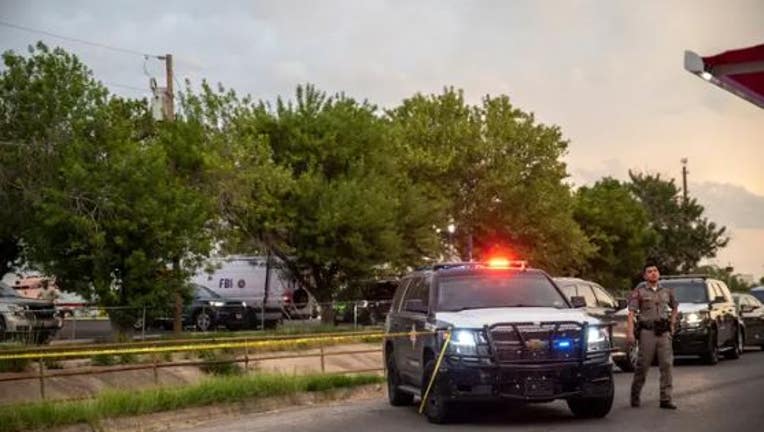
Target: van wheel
{"points": [[436, 407], [394, 395]]}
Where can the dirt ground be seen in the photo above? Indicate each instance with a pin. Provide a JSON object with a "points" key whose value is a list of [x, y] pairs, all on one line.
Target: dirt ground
{"points": [[83, 386]]}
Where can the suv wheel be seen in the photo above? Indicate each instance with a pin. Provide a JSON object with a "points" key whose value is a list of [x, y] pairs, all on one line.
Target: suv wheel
{"points": [[436, 407], [394, 395], [589, 407], [737, 351], [203, 321], [711, 356]]}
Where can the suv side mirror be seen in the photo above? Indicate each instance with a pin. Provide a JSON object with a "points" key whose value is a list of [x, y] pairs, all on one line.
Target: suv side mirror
{"points": [[622, 303], [415, 305], [578, 301]]}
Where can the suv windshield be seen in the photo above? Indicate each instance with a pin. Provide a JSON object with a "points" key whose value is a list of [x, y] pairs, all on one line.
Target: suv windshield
{"points": [[492, 290], [688, 291], [204, 293]]}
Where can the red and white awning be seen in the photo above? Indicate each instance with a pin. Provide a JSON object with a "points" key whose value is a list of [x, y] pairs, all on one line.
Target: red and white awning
{"points": [[738, 71]]}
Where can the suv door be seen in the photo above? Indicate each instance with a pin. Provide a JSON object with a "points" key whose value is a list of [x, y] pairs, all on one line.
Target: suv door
{"points": [[718, 313], [730, 313], [752, 313], [394, 323], [413, 317]]}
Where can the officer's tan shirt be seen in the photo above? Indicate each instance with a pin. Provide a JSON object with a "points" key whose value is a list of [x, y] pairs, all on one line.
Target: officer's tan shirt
{"points": [[652, 305]]}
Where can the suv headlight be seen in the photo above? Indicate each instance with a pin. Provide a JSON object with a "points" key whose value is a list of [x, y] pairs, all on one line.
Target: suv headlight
{"points": [[217, 303], [468, 343], [597, 339], [693, 319]]}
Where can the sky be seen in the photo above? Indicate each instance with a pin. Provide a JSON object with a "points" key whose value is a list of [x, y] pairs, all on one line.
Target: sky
{"points": [[610, 74]]}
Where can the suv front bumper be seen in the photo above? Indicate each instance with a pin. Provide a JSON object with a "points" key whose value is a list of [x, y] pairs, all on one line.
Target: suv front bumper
{"points": [[690, 340], [467, 380]]}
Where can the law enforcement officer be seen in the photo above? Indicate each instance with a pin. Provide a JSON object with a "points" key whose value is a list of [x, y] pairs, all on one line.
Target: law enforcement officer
{"points": [[657, 309]]}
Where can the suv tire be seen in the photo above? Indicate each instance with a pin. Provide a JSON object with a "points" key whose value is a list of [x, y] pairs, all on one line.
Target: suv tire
{"points": [[436, 407], [203, 321], [711, 356], [394, 394], [737, 350], [591, 407]]}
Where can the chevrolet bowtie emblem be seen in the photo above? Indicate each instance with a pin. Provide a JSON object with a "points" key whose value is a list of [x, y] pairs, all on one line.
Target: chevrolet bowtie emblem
{"points": [[535, 344]]}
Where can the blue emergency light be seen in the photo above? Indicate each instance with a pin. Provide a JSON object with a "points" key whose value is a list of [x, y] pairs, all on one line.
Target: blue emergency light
{"points": [[562, 344]]}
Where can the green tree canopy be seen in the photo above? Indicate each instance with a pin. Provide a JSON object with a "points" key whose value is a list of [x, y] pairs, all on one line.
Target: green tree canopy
{"points": [[499, 173], [685, 236], [107, 194], [617, 225], [316, 182]]}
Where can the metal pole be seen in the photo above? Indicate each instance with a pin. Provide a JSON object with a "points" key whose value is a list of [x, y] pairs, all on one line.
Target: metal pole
{"points": [[42, 378], [323, 363], [267, 287], [143, 325], [355, 315]]}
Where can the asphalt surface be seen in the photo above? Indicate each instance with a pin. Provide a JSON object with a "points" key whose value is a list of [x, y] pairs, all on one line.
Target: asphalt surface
{"points": [[725, 397]]}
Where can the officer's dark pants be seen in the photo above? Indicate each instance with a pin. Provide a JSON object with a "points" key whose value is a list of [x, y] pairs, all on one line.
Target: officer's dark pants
{"points": [[649, 346]]}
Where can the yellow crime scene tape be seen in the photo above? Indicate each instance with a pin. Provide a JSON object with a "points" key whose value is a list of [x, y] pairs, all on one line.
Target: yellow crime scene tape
{"points": [[92, 351]]}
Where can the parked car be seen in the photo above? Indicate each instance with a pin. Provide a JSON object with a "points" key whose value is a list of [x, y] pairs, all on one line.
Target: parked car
{"points": [[758, 292], [374, 304], [708, 323], [26, 318], [208, 311], [514, 336], [602, 305], [752, 313]]}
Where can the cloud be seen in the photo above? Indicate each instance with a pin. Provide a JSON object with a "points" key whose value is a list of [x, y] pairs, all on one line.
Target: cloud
{"points": [[730, 204]]}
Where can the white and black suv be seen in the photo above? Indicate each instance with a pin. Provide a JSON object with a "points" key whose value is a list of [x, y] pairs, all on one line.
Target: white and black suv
{"points": [[514, 335]]}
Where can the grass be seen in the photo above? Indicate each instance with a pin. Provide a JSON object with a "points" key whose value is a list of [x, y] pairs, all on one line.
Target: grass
{"points": [[217, 390]]}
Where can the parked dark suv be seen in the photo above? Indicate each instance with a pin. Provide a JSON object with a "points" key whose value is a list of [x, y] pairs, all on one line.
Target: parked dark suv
{"points": [[514, 335], [708, 322], [601, 304], [208, 311]]}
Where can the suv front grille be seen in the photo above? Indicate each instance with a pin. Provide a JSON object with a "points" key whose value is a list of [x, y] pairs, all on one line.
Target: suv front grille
{"points": [[41, 312], [536, 342]]}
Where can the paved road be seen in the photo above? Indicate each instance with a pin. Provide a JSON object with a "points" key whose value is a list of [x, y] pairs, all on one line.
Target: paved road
{"points": [[726, 397]]}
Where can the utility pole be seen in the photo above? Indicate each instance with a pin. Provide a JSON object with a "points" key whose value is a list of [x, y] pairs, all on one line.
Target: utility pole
{"points": [[169, 116], [684, 179], [170, 94]]}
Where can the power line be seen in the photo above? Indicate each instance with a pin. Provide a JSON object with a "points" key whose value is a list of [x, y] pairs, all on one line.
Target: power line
{"points": [[127, 87], [82, 41]]}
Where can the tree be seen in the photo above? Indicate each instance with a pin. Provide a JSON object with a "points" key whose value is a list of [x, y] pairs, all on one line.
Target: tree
{"points": [[317, 184], [617, 225], [106, 191], [733, 280], [498, 172], [685, 236]]}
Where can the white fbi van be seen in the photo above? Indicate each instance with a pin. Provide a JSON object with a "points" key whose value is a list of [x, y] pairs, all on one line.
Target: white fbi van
{"points": [[244, 277]]}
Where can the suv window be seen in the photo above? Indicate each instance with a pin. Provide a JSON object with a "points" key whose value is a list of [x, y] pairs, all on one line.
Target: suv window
{"points": [[688, 290], [494, 289], [603, 298], [416, 295], [725, 291], [396, 306], [585, 291], [568, 291], [717, 291]]}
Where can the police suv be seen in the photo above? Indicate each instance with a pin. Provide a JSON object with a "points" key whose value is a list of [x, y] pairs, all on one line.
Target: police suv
{"points": [[514, 335]]}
